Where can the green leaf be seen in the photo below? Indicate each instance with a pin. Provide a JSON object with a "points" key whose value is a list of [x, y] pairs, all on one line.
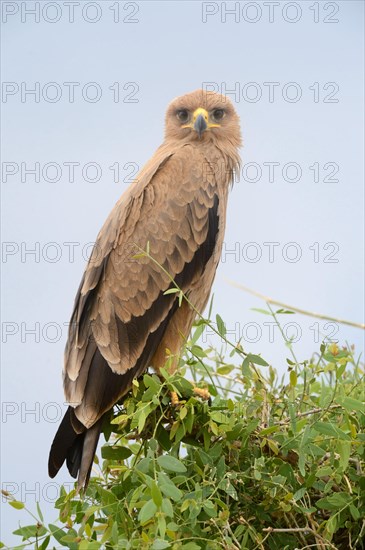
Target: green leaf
{"points": [[315, 450], [209, 508], [344, 450], [221, 326], [120, 419], [228, 488], [352, 404], [332, 524], [167, 508], [16, 504], [30, 531], [269, 430], [142, 420], [40, 512], [171, 291], [334, 502], [301, 463], [257, 359], [324, 471], [354, 512], [45, 543], [69, 538], [171, 491], [326, 428], [156, 494], [340, 370], [90, 511], [115, 452], [293, 378], [57, 533], [264, 311], [300, 493], [219, 417], [107, 497], [246, 368], [160, 544], [147, 511], [171, 464], [198, 351], [198, 332], [225, 369]]}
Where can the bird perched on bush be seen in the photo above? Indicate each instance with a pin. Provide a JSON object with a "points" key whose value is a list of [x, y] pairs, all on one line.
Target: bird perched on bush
{"points": [[123, 321]]}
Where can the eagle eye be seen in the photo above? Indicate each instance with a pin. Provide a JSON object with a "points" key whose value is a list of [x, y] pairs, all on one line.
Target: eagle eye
{"points": [[218, 114], [183, 115]]}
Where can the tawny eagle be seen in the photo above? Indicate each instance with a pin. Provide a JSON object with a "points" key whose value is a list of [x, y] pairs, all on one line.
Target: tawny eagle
{"points": [[123, 322]]}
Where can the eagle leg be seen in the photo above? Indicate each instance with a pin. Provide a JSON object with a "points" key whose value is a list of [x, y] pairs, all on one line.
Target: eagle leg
{"points": [[202, 393], [199, 392]]}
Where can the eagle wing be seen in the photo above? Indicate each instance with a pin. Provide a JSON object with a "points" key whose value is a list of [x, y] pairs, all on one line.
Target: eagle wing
{"points": [[121, 311]]}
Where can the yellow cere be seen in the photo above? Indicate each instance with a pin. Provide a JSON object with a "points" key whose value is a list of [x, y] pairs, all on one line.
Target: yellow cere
{"points": [[205, 114], [200, 111]]}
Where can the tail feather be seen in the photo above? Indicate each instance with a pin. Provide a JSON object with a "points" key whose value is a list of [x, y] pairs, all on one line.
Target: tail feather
{"points": [[74, 455], [75, 444], [90, 443], [64, 440]]}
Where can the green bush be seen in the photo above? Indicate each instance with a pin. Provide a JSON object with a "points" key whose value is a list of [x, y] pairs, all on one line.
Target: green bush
{"points": [[265, 464]]}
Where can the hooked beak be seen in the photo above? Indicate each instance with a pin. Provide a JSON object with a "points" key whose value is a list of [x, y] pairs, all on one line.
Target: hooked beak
{"points": [[200, 124]]}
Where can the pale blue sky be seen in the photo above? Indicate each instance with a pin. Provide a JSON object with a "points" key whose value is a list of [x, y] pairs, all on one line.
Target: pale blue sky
{"points": [[167, 52]]}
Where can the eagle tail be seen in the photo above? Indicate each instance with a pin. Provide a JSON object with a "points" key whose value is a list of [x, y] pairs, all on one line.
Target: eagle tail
{"points": [[75, 444]]}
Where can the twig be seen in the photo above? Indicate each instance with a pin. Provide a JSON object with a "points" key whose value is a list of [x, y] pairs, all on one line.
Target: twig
{"points": [[313, 411], [287, 342], [292, 518], [293, 308], [265, 411], [316, 536], [362, 531], [228, 527], [259, 544], [302, 530]]}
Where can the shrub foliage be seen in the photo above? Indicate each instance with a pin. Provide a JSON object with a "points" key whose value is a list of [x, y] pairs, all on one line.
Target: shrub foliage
{"points": [[266, 463]]}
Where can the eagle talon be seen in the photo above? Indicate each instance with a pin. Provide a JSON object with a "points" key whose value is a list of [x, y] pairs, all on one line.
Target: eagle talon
{"points": [[198, 392], [202, 393], [174, 399]]}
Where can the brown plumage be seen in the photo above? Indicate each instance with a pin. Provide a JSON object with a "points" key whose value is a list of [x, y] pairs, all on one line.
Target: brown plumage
{"points": [[122, 322]]}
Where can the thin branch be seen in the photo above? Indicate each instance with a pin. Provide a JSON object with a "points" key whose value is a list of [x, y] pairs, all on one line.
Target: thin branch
{"points": [[361, 534], [307, 413], [300, 530], [293, 308], [287, 342]]}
